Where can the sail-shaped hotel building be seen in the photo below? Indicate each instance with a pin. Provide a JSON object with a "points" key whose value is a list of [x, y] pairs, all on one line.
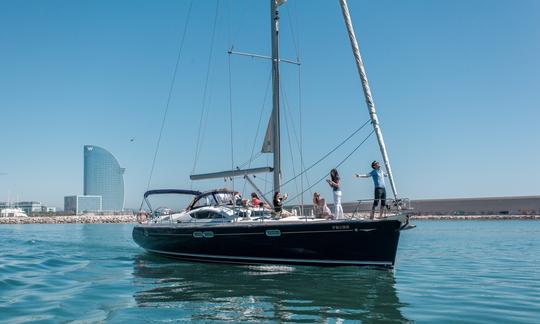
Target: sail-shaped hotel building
{"points": [[103, 177]]}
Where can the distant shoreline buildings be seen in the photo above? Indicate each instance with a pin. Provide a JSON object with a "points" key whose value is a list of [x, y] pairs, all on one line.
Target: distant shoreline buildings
{"points": [[79, 204], [29, 207], [103, 186], [516, 205]]}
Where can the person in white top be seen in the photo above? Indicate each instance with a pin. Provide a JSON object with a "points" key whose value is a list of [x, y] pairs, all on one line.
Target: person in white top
{"points": [[334, 183]]}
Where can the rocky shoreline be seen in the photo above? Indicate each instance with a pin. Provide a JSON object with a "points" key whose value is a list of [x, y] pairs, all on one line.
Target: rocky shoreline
{"points": [[127, 219], [82, 219], [475, 217]]}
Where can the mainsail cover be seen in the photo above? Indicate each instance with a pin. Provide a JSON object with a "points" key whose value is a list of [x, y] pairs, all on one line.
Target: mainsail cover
{"points": [[268, 143]]}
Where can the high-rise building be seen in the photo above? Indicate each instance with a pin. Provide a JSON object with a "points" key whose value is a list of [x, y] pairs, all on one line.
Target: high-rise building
{"points": [[103, 177]]}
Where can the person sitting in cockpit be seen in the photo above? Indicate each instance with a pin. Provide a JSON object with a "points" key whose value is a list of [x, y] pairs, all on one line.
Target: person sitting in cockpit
{"points": [[255, 201]]}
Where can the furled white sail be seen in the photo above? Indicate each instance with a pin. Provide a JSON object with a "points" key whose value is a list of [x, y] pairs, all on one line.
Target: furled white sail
{"points": [[367, 92]]}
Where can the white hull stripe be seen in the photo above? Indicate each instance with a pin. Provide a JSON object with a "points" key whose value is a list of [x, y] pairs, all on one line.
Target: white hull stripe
{"points": [[263, 233], [222, 257]]}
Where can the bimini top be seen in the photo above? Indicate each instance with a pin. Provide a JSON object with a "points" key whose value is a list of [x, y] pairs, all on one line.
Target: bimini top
{"points": [[208, 198], [172, 191]]}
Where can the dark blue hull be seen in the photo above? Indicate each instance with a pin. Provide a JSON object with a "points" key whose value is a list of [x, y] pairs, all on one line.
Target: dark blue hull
{"points": [[312, 243]]}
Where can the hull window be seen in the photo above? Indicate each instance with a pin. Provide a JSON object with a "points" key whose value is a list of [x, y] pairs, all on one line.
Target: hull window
{"points": [[273, 232], [205, 234], [208, 234]]}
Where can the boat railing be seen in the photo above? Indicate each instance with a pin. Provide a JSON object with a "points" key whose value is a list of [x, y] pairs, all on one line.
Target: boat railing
{"points": [[363, 207], [360, 209]]}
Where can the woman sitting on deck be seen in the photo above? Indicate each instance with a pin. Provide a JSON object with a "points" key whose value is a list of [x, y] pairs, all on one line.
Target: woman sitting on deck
{"points": [[278, 205], [257, 202], [320, 209]]}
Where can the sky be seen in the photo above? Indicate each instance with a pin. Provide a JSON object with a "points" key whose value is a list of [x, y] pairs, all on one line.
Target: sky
{"points": [[455, 84]]}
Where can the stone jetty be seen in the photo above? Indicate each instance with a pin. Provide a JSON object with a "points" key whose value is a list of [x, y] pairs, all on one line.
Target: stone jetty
{"points": [[129, 218], [474, 217], [80, 219], [454, 217]]}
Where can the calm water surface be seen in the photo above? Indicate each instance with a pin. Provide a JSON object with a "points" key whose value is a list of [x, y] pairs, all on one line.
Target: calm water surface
{"points": [[447, 271]]}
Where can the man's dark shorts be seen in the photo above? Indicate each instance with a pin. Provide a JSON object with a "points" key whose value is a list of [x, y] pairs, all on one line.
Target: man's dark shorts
{"points": [[380, 194]]}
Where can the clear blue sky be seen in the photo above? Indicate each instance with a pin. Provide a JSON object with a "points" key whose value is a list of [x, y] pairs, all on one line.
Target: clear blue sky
{"points": [[456, 84]]}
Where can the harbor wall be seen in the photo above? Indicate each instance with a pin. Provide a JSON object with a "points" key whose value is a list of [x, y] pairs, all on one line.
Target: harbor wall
{"points": [[521, 205]]}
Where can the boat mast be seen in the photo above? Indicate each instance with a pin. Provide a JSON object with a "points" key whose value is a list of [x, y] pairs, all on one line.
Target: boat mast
{"points": [[367, 93], [274, 20]]}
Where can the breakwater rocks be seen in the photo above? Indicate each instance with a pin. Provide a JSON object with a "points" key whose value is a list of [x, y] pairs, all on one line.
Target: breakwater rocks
{"points": [[473, 217], [120, 219], [80, 219]]}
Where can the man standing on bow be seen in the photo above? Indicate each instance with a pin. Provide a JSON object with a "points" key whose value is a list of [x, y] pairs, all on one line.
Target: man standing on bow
{"points": [[377, 175]]}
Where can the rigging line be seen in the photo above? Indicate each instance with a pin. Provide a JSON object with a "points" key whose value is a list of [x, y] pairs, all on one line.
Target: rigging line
{"points": [[249, 160], [229, 22], [286, 106], [206, 115], [302, 165], [261, 179], [299, 143], [244, 9], [340, 163], [266, 175], [230, 90], [243, 165], [231, 118], [286, 101], [197, 147], [259, 123], [288, 113], [331, 151], [261, 112], [293, 34], [173, 81]]}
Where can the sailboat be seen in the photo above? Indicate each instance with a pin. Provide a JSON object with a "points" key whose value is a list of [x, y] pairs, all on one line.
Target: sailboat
{"points": [[213, 228], [12, 212]]}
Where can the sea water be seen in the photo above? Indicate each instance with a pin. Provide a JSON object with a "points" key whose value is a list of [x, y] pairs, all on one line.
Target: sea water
{"points": [[446, 271]]}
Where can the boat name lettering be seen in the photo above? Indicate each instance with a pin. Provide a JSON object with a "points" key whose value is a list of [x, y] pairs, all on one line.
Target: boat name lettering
{"points": [[340, 227]]}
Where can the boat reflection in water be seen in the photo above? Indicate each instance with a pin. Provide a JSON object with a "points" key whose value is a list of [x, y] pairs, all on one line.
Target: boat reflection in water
{"points": [[220, 292]]}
